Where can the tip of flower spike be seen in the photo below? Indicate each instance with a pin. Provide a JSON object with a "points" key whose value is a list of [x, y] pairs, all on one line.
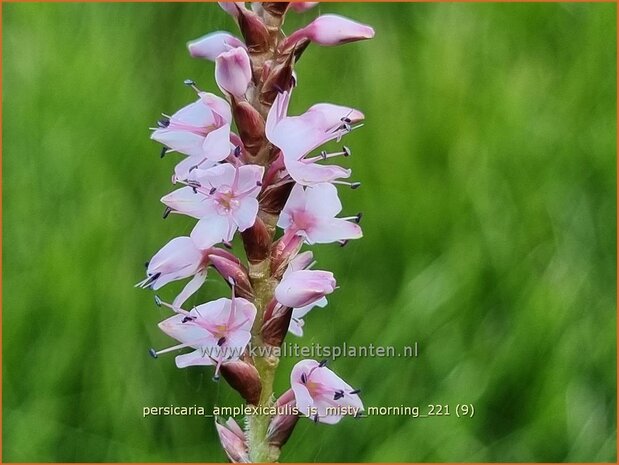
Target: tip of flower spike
{"points": [[157, 302], [152, 352]]}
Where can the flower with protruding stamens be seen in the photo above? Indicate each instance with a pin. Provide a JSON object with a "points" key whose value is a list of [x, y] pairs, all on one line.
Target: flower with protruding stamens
{"points": [[218, 331], [233, 440], [321, 394], [297, 323], [223, 198], [214, 44], [311, 213], [201, 130], [297, 136]]}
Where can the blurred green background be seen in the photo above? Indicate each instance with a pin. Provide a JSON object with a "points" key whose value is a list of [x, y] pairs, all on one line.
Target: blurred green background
{"points": [[488, 170]]}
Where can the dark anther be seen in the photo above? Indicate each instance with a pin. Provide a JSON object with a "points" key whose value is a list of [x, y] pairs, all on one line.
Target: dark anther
{"points": [[212, 191], [346, 120], [338, 395], [237, 151], [323, 154], [166, 212], [189, 82], [164, 150], [216, 378], [227, 245], [146, 264], [195, 189], [343, 243], [355, 185], [303, 378], [221, 341], [194, 167], [358, 217], [157, 301], [152, 352], [323, 363], [152, 279], [316, 418], [163, 122], [187, 318], [259, 183], [346, 150], [356, 391]]}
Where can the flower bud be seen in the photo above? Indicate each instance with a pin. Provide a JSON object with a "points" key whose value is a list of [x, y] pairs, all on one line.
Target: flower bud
{"points": [[273, 198], [244, 378], [276, 323], [233, 71], [277, 9], [330, 30], [284, 250], [282, 425], [254, 31], [250, 125], [233, 441], [280, 79], [256, 240], [230, 269], [304, 287], [300, 7], [212, 45]]}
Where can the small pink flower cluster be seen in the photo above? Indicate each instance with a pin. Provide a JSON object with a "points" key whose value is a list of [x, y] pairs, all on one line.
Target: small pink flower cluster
{"points": [[254, 180]]}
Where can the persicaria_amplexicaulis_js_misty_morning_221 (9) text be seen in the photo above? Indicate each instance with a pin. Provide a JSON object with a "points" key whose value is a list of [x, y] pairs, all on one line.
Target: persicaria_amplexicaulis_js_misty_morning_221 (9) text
{"points": [[246, 165]]}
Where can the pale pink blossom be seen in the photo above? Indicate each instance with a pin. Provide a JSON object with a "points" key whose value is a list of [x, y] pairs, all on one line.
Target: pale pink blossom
{"points": [[201, 130], [219, 331], [297, 136], [233, 71], [330, 30], [297, 322], [233, 440], [317, 390], [223, 198], [311, 213], [301, 286], [212, 45]]}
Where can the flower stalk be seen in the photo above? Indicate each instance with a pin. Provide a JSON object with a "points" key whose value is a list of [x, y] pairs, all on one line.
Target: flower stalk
{"points": [[250, 168]]}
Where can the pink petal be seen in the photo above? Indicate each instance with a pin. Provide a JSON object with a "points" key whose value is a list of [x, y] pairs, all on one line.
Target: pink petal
{"points": [[333, 115], [218, 176], [308, 174], [233, 71], [178, 259], [211, 230], [245, 214], [195, 358], [304, 287], [249, 177], [184, 142], [212, 45], [295, 202], [333, 230], [188, 202], [300, 7], [190, 288], [216, 144], [219, 105], [196, 116], [322, 201], [186, 168], [336, 30], [187, 333]]}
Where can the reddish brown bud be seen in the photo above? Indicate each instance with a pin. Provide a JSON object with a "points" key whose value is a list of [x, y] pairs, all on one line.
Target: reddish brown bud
{"points": [[282, 425], [280, 79], [229, 269], [254, 31], [284, 250], [273, 198], [257, 242], [275, 328], [244, 378], [250, 125], [277, 9]]}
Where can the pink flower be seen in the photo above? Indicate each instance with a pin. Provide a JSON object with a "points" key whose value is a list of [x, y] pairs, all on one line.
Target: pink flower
{"points": [[223, 198], [232, 8], [233, 440], [233, 71], [218, 331], [200, 130], [330, 30], [178, 259], [212, 45], [311, 213], [321, 394], [302, 287], [297, 322], [297, 136]]}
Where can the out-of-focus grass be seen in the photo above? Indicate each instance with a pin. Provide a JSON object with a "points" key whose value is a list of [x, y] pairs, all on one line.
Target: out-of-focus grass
{"points": [[488, 164]]}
